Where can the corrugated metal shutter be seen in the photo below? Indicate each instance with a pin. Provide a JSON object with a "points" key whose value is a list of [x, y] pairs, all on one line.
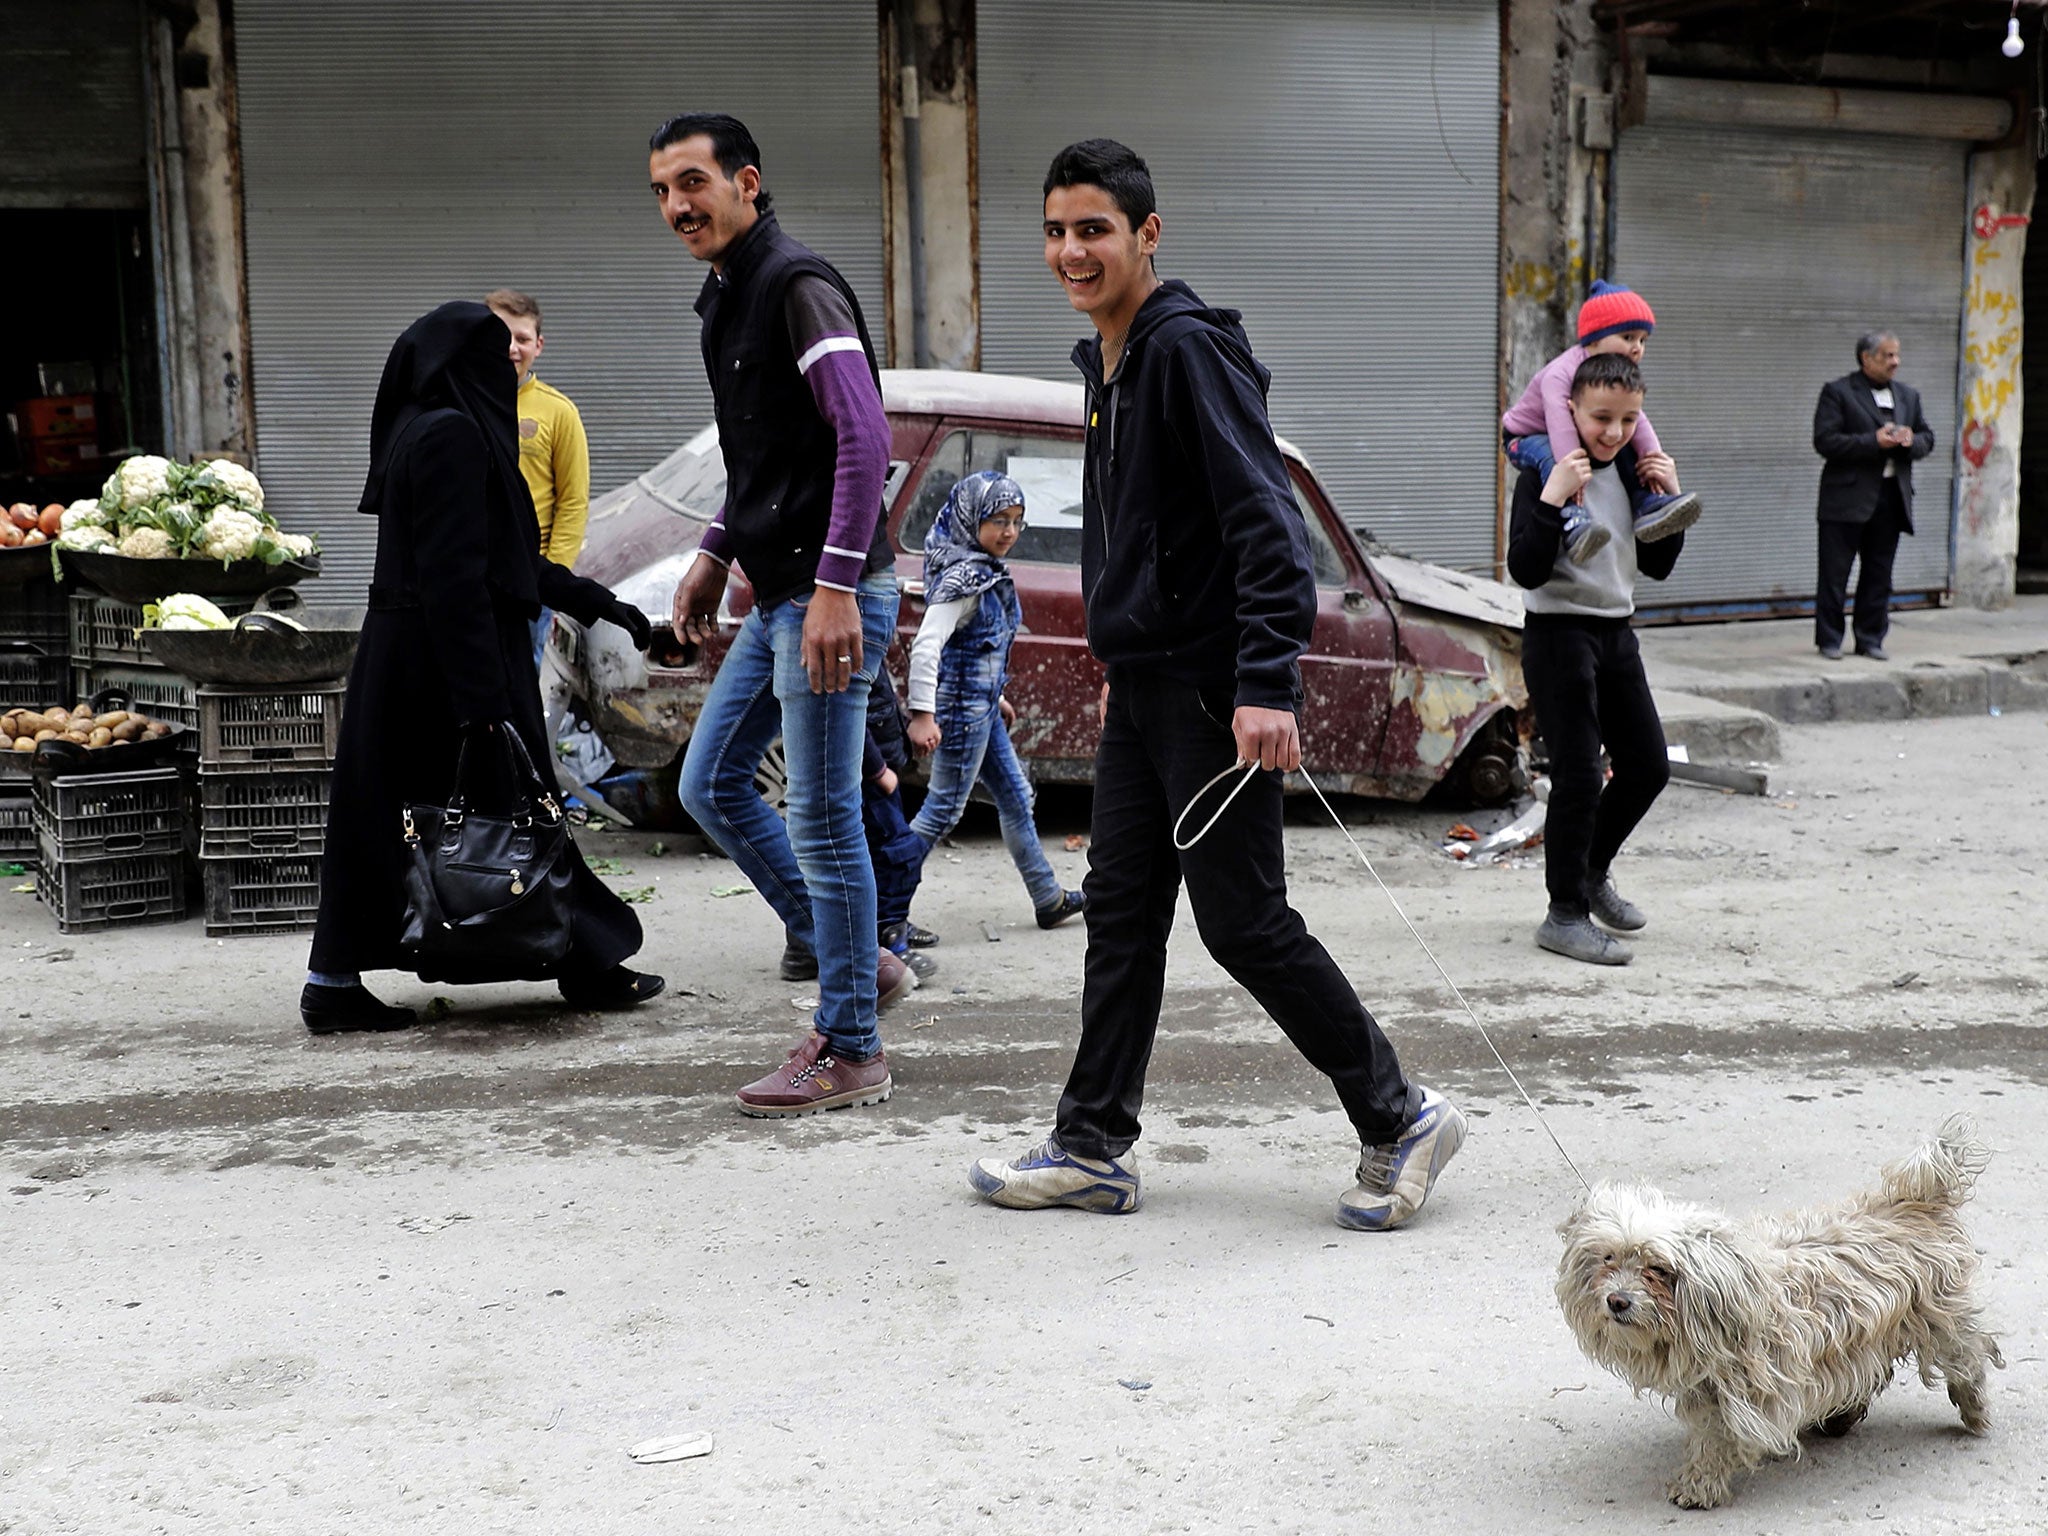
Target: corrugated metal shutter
{"points": [[1303, 180], [71, 106], [399, 153], [1765, 252]]}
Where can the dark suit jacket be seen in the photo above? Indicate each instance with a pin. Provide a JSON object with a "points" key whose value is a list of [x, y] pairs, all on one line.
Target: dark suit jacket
{"points": [[1845, 424]]}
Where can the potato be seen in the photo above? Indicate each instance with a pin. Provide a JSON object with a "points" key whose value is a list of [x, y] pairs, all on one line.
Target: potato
{"points": [[28, 722], [127, 730], [118, 742], [78, 736], [155, 729], [58, 716], [100, 737], [112, 718], [46, 734], [24, 744]]}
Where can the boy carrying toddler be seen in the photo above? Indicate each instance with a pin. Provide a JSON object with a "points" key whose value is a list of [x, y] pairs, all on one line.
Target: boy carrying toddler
{"points": [[1613, 319]]}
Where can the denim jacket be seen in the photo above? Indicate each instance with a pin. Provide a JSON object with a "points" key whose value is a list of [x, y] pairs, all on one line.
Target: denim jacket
{"points": [[975, 664]]}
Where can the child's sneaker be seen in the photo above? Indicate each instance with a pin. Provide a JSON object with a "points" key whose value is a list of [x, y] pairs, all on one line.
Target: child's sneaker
{"points": [[1659, 517], [1583, 538]]}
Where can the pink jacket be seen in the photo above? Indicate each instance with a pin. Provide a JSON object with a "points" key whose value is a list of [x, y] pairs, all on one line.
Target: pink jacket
{"points": [[1546, 407]]}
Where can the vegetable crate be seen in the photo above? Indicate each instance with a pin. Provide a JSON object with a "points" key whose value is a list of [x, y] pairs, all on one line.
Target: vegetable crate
{"points": [[101, 893], [149, 690], [109, 630], [274, 726], [83, 817], [36, 613], [17, 823], [262, 812], [33, 677], [110, 847], [260, 895]]}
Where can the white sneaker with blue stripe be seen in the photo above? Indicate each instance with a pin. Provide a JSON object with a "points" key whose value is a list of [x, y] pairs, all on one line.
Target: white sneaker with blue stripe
{"points": [[1050, 1175], [1395, 1177]]}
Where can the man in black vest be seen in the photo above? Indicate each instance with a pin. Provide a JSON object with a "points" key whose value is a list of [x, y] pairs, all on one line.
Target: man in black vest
{"points": [[1869, 428], [806, 445]]}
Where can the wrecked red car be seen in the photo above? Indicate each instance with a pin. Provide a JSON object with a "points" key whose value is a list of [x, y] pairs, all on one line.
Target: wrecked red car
{"points": [[1413, 679]]}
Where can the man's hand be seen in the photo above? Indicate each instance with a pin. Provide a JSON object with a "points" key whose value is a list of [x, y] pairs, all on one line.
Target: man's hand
{"points": [[1007, 710], [697, 595], [1102, 708], [886, 781], [1568, 478], [923, 732], [1268, 737], [1894, 436], [1658, 472], [832, 650]]}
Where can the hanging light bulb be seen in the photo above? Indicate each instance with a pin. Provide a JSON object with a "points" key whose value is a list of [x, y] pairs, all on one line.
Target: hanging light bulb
{"points": [[2012, 47]]}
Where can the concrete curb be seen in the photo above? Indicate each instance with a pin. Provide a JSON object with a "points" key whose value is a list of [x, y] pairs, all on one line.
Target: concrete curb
{"points": [[1924, 689], [1714, 730]]}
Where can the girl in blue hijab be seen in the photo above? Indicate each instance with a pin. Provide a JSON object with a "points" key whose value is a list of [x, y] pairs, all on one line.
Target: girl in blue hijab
{"points": [[959, 663]]}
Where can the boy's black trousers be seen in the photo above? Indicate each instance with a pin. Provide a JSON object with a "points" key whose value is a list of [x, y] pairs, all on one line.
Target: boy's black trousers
{"points": [[1586, 680], [1162, 741]]}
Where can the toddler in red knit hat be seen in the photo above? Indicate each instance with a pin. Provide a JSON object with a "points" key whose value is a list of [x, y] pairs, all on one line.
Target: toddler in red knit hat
{"points": [[1613, 319]]}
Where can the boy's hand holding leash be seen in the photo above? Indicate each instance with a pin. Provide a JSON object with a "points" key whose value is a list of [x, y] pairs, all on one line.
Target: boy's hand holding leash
{"points": [[1269, 737], [923, 732], [1568, 478]]}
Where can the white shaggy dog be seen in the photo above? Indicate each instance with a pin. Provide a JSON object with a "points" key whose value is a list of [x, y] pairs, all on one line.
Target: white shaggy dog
{"points": [[1759, 1329]]}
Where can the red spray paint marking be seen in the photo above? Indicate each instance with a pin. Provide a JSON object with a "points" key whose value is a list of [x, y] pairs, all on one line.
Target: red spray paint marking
{"points": [[1977, 440], [1986, 221]]}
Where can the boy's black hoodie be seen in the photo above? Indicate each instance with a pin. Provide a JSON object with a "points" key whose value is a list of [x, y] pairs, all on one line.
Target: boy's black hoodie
{"points": [[1194, 560]]}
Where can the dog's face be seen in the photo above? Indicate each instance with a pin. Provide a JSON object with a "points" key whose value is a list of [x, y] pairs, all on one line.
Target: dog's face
{"points": [[1618, 1278]]}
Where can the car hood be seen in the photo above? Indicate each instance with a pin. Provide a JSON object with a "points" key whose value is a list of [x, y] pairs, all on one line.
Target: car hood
{"points": [[1448, 591]]}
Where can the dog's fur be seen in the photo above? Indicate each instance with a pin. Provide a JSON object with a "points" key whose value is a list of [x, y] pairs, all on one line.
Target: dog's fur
{"points": [[1759, 1329]]}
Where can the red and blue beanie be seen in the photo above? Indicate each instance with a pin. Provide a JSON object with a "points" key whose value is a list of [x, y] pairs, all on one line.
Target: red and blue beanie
{"points": [[1611, 309]]}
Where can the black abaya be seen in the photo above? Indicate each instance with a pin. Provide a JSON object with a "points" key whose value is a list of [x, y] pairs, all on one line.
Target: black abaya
{"points": [[446, 647]]}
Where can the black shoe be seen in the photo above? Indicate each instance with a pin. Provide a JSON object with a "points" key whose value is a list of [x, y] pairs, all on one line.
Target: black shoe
{"points": [[920, 938], [798, 963], [1874, 652], [615, 988], [342, 1010], [1831, 653], [1070, 904]]}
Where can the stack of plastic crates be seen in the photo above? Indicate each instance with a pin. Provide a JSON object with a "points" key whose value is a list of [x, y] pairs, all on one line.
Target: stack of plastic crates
{"points": [[35, 673], [266, 768], [111, 847], [108, 651]]}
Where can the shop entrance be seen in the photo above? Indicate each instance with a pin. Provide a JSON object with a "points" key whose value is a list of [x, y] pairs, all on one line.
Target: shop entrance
{"points": [[79, 371]]}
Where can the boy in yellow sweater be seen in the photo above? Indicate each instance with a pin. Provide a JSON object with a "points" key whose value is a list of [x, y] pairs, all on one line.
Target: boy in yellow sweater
{"points": [[554, 456]]}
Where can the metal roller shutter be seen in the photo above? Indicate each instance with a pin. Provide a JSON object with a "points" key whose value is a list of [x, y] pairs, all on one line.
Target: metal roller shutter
{"points": [[400, 153], [71, 113], [1765, 252], [1303, 180]]}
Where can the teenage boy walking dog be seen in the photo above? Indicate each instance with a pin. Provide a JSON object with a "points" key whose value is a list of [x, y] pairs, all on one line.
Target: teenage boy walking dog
{"points": [[1200, 597]]}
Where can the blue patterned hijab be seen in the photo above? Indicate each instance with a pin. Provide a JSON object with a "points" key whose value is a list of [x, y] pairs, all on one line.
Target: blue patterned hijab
{"points": [[955, 564]]}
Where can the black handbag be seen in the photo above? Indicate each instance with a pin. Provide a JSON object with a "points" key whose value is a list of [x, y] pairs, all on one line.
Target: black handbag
{"points": [[487, 898]]}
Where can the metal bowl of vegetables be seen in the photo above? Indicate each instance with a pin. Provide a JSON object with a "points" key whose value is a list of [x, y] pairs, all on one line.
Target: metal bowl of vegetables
{"points": [[284, 641]]}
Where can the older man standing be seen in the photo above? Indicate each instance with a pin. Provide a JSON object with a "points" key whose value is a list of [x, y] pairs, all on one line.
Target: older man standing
{"points": [[1869, 429]]}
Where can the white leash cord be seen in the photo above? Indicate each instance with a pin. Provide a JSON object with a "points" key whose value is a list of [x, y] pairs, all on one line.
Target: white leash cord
{"points": [[1245, 771]]}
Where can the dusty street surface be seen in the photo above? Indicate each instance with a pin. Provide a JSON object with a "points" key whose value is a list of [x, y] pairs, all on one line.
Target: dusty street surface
{"points": [[441, 1281]]}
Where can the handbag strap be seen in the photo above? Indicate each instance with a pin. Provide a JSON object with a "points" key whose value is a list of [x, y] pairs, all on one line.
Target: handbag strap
{"points": [[539, 796]]}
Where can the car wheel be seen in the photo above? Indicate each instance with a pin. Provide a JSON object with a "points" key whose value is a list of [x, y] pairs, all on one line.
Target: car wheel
{"points": [[1490, 770], [772, 777]]}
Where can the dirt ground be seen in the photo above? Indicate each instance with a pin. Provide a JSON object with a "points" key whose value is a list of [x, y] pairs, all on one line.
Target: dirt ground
{"points": [[442, 1281]]}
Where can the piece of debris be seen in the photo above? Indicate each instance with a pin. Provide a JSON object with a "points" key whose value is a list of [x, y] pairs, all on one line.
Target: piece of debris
{"points": [[643, 893], [609, 867], [1525, 831], [732, 890], [1459, 832], [1317, 1317], [803, 1002], [23, 890], [670, 1448], [1134, 1384], [1076, 842], [440, 1007], [990, 932], [430, 1223], [1906, 980], [924, 1023], [16, 871], [1752, 780], [59, 1172]]}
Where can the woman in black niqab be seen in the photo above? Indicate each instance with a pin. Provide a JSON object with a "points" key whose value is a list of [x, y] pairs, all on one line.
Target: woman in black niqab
{"points": [[446, 653]]}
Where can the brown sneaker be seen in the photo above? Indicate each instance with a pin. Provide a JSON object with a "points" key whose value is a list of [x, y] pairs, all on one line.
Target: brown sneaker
{"points": [[894, 980], [813, 1079]]}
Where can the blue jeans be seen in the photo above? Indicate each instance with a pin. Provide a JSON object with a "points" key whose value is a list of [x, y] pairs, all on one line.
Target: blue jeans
{"points": [[814, 871], [974, 747], [1531, 452], [541, 626]]}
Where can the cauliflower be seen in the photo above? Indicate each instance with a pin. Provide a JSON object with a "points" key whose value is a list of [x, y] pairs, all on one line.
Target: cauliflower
{"points": [[147, 544], [221, 481], [294, 546], [83, 514], [182, 610], [136, 483], [86, 536], [229, 534]]}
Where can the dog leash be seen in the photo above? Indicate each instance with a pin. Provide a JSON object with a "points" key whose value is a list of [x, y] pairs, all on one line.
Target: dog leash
{"points": [[1245, 772]]}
